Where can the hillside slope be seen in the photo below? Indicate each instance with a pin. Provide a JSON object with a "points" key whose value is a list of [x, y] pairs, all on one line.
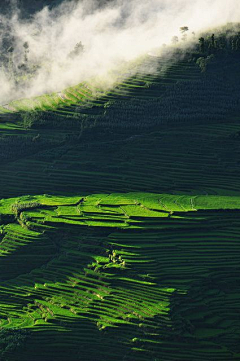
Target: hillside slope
{"points": [[119, 213]]}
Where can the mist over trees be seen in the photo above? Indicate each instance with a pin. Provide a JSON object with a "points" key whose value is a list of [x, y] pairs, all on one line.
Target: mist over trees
{"points": [[35, 51], [78, 50]]}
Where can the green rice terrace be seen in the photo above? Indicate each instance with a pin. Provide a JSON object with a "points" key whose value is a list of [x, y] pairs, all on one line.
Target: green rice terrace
{"points": [[120, 216]]}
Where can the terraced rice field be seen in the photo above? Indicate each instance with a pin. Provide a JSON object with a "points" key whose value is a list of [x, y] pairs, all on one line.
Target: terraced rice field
{"points": [[119, 221], [137, 266], [139, 79]]}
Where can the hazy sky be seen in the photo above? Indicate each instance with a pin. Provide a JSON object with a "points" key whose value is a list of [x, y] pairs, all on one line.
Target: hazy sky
{"points": [[111, 36]]}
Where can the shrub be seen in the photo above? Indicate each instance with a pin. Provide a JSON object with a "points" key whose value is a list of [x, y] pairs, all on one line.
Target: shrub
{"points": [[19, 207], [11, 340]]}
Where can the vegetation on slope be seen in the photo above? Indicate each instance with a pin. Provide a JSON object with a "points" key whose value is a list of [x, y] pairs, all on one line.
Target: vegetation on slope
{"points": [[119, 236], [209, 51], [83, 264]]}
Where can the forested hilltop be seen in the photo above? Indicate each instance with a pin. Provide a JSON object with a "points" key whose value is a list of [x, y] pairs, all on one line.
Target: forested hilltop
{"points": [[29, 7], [120, 210]]}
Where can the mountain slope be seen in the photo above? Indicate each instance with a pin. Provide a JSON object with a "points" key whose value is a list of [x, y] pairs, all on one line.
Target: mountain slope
{"points": [[119, 236]]}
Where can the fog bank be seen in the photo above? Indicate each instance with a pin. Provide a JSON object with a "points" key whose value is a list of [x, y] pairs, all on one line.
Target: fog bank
{"points": [[111, 36]]}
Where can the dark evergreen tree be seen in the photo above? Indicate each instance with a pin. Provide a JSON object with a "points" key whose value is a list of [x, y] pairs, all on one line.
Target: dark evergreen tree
{"points": [[213, 40], [202, 44]]}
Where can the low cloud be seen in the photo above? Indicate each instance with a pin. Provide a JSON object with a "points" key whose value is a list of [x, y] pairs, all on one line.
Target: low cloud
{"points": [[112, 36]]}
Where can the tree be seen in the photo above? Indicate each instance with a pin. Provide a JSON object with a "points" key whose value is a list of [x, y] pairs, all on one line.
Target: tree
{"points": [[26, 51], [78, 50], [238, 43], [184, 30], [202, 44], [10, 51], [203, 62], [213, 40], [175, 39], [31, 118]]}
